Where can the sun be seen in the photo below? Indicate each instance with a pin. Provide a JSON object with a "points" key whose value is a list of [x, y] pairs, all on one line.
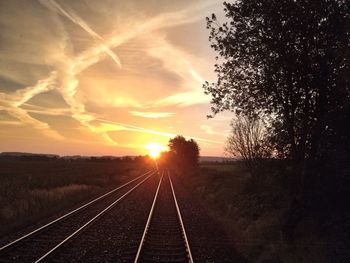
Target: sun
{"points": [[154, 149]]}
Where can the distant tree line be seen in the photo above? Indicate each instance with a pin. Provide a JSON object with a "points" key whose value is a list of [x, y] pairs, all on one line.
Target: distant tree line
{"points": [[51, 157]]}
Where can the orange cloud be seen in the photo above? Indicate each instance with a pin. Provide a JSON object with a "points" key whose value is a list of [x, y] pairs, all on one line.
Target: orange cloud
{"points": [[152, 115]]}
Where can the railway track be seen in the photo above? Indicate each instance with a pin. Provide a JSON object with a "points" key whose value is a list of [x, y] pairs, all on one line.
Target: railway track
{"points": [[164, 238], [41, 243]]}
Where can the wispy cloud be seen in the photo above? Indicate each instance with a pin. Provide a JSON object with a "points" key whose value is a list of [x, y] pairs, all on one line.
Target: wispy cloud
{"points": [[208, 129], [179, 62], [155, 132], [11, 123], [23, 95], [71, 15], [95, 54], [183, 99], [45, 111], [24, 117], [64, 76], [152, 115], [11, 104]]}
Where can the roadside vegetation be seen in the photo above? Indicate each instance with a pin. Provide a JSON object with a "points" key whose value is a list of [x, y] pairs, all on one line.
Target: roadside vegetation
{"points": [[35, 188], [254, 214]]}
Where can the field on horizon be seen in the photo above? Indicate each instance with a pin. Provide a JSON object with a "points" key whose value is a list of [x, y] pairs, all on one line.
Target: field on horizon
{"points": [[33, 190]]}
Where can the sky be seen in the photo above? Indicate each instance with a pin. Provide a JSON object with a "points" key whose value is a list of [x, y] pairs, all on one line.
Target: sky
{"points": [[106, 77]]}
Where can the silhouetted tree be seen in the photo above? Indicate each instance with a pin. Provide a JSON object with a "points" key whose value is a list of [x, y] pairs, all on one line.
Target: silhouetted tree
{"points": [[185, 153], [287, 60], [248, 139]]}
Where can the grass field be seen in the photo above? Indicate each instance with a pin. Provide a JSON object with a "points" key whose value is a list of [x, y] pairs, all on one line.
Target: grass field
{"points": [[253, 214], [33, 190]]}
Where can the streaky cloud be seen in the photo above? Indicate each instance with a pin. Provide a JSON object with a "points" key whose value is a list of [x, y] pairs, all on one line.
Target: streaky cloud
{"points": [[144, 130], [152, 115], [64, 77], [71, 15]]}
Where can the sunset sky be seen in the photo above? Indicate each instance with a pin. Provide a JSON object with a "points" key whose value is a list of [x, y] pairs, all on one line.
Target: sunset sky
{"points": [[106, 77]]}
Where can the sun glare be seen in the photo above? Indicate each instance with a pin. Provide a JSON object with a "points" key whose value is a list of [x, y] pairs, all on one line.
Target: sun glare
{"points": [[154, 149]]}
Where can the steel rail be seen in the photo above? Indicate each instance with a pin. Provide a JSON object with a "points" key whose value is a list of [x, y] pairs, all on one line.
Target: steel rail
{"points": [[148, 221], [89, 222], [22, 238], [181, 222]]}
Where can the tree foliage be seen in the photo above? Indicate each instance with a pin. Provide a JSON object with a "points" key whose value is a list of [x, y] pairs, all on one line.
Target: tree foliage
{"points": [[185, 152], [285, 59]]}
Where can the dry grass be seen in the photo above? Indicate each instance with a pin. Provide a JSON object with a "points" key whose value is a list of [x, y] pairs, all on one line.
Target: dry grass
{"points": [[253, 214], [38, 199], [34, 190]]}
